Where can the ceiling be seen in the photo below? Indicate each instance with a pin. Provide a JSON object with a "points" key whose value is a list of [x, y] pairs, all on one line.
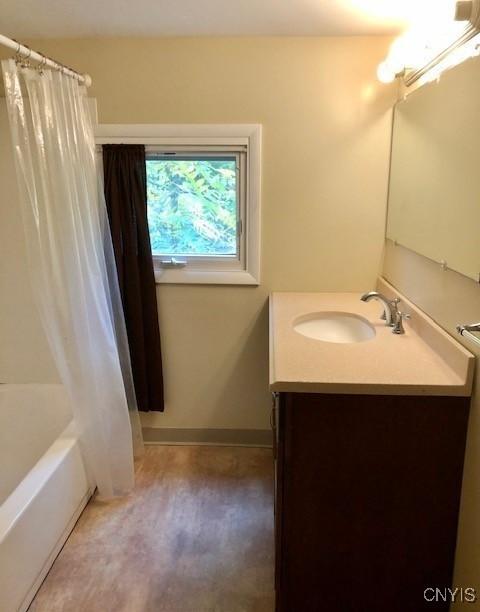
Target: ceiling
{"points": [[74, 18]]}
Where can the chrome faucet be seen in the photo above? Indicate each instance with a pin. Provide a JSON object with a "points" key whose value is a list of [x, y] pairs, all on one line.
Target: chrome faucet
{"points": [[398, 325], [390, 307]]}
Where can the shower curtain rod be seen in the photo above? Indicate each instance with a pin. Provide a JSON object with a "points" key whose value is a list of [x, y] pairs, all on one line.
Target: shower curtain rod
{"points": [[28, 53]]}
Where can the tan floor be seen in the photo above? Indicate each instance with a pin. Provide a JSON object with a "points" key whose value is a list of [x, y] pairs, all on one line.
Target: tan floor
{"points": [[195, 536]]}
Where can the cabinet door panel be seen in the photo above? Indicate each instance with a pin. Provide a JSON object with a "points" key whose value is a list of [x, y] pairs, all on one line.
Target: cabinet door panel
{"points": [[371, 489], [279, 488]]}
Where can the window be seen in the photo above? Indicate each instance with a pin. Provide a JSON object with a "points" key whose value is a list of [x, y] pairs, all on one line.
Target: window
{"points": [[203, 187], [196, 205]]}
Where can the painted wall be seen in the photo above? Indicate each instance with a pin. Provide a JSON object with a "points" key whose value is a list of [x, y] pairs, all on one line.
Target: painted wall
{"points": [[450, 298], [24, 353], [325, 163]]}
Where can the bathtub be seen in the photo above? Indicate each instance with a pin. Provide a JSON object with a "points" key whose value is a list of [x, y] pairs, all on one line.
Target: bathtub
{"points": [[43, 487]]}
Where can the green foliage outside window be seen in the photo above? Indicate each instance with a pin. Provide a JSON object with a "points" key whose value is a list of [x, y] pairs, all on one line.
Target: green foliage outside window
{"points": [[192, 206]]}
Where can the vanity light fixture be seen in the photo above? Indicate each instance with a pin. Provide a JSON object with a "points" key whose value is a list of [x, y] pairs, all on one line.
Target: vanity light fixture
{"points": [[467, 331], [420, 55], [387, 74]]}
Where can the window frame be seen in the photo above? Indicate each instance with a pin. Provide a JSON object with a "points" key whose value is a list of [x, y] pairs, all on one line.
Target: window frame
{"points": [[210, 262], [202, 138]]}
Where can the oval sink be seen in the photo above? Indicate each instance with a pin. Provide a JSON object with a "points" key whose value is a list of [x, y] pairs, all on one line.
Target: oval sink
{"points": [[340, 327]]}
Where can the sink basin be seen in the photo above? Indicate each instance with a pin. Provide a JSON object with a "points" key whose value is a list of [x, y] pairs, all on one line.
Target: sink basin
{"points": [[340, 327]]}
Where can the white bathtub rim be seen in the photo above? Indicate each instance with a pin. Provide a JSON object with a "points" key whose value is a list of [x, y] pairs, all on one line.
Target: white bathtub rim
{"points": [[28, 488], [42, 574], [41, 529]]}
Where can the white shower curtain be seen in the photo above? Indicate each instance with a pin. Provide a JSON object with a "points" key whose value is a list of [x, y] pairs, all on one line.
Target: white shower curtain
{"points": [[72, 266]]}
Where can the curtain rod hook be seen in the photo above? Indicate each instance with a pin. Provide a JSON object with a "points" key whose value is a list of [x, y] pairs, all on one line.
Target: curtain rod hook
{"points": [[41, 66], [17, 55], [27, 57], [23, 60]]}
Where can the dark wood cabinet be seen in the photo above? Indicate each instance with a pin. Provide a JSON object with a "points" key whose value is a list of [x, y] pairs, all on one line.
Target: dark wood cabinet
{"points": [[367, 499]]}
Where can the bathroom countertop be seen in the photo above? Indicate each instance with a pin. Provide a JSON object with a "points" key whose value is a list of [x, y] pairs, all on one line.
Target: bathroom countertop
{"points": [[423, 361]]}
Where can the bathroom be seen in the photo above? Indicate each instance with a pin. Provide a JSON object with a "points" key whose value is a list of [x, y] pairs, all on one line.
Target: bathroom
{"points": [[302, 97]]}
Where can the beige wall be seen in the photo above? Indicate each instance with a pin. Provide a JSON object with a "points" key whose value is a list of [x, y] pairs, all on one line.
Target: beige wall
{"points": [[24, 353], [450, 298], [326, 144]]}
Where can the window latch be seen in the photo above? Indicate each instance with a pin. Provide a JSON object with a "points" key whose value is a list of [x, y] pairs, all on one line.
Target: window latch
{"points": [[172, 263]]}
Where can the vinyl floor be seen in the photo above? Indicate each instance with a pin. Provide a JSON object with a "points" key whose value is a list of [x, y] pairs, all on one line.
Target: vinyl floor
{"points": [[196, 535]]}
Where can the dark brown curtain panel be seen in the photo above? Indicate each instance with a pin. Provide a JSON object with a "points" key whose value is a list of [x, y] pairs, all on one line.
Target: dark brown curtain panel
{"points": [[126, 199]]}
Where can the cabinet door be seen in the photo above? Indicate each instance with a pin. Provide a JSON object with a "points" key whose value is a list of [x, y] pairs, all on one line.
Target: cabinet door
{"points": [[369, 488], [274, 416], [279, 408]]}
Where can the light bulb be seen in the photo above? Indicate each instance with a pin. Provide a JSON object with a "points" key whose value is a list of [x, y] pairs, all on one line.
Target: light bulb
{"points": [[385, 73]]}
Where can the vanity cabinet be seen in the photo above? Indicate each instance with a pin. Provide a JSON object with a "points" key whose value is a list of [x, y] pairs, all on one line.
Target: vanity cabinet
{"points": [[366, 500]]}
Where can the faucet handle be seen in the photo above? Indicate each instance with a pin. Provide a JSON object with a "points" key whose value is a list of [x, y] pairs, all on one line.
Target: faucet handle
{"points": [[394, 309], [394, 303], [399, 318]]}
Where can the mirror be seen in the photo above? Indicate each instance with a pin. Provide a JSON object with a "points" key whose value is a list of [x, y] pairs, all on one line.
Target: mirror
{"points": [[434, 190]]}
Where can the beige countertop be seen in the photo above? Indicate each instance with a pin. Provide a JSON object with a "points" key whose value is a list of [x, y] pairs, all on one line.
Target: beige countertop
{"points": [[424, 361]]}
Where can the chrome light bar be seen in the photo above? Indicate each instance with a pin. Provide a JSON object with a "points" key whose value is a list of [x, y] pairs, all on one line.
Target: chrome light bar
{"points": [[466, 332], [464, 11]]}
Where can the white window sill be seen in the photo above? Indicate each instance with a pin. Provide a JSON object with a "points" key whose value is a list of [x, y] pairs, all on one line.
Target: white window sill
{"points": [[203, 277]]}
